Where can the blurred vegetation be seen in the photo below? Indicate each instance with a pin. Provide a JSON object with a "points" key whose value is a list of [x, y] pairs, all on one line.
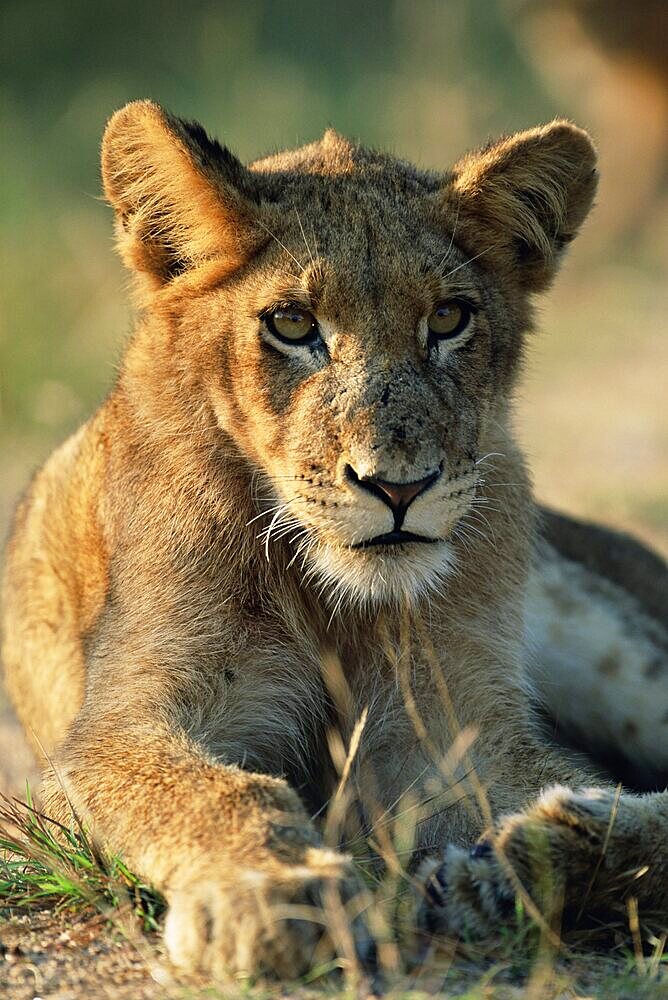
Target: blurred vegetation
{"points": [[424, 78]]}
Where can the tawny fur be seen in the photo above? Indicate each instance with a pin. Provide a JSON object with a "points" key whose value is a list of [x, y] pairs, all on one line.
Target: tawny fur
{"points": [[186, 619]]}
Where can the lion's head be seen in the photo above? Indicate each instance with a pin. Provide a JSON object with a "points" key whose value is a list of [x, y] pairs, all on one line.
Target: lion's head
{"points": [[352, 323]]}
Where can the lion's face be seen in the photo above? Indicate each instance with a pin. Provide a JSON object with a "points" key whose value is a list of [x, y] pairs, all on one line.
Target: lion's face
{"points": [[360, 381], [361, 341]]}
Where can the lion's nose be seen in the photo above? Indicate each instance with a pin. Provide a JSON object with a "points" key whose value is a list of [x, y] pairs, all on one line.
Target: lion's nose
{"points": [[397, 496]]}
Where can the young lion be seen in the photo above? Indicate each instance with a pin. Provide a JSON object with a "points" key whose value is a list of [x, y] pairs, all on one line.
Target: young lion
{"points": [[269, 533]]}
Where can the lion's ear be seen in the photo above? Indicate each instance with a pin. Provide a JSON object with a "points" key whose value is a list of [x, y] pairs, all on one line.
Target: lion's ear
{"points": [[180, 197], [520, 201]]}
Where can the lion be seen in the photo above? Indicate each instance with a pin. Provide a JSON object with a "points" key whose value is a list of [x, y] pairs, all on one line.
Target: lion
{"points": [[295, 553]]}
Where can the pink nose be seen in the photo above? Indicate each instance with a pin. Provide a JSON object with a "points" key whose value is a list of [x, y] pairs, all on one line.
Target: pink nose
{"points": [[400, 494], [397, 496]]}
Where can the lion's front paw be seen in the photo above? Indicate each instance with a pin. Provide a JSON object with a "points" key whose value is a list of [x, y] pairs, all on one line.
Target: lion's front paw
{"points": [[272, 920], [466, 893], [570, 852]]}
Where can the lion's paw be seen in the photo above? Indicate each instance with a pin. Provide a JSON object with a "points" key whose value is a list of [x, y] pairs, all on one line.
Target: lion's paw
{"points": [[465, 893], [255, 922], [567, 850]]}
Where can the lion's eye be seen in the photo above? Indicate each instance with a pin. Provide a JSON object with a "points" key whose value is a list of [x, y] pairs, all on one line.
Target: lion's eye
{"points": [[293, 325], [449, 318]]}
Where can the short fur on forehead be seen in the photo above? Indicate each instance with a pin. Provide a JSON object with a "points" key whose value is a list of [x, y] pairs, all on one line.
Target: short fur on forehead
{"points": [[183, 199]]}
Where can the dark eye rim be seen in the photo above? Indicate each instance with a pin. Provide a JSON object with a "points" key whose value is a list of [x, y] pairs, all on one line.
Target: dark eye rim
{"points": [[313, 335], [468, 309]]}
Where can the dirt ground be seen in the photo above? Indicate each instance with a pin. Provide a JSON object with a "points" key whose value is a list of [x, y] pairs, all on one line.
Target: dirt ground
{"points": [[82, 957], [72, 957]]}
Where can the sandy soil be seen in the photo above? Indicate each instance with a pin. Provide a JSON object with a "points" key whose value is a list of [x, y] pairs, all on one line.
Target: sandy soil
{"points": [[72, 957]]}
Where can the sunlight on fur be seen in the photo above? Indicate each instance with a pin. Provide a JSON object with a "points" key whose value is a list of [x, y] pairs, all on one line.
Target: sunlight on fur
{"points": [[283, 620]]}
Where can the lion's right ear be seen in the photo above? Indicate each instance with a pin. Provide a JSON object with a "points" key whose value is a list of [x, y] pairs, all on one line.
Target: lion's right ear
{"points": [[180, 197], [520, 201]]}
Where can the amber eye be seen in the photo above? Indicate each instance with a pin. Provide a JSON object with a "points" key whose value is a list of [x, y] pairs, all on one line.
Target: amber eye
{"points": [[293, 325], [449, 318]]}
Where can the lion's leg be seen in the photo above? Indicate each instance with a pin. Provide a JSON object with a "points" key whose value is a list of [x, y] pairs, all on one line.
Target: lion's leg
{"points": [[505, 833], [575, 853], [234, 852]]}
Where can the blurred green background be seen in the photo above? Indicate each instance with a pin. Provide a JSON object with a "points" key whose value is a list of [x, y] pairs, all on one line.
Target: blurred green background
{"points": [[423, 78]]}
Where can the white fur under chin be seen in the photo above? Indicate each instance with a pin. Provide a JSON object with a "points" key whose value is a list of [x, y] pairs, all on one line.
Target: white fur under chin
{"points": [[372, 577]]}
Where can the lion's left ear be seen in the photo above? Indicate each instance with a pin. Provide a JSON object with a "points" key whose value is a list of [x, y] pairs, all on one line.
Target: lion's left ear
{"points": [[520, 201]]}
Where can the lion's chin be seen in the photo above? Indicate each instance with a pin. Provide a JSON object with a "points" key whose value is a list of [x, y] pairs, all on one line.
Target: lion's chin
{"points": [[380, 575]]}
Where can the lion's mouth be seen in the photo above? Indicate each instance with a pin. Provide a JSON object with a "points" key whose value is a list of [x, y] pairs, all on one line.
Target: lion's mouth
{"points": [[394, 538]]}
